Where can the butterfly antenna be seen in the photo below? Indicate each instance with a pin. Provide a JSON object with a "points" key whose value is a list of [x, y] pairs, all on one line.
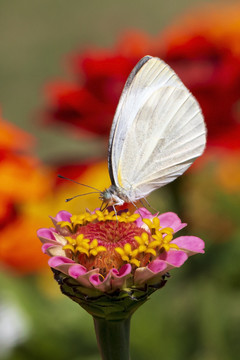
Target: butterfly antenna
{"points": [[76, 182], [93, 192], [103, 206]]}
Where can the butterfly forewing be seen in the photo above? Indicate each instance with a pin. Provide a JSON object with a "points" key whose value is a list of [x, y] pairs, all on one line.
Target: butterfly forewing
{"points": [[158, 130]]}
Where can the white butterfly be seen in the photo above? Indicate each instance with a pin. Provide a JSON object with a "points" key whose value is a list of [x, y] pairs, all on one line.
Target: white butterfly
{"points": [[158, 131]]}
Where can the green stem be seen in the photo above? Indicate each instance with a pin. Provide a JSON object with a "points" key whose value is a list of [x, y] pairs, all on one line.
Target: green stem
{"points": [[113, 338]]}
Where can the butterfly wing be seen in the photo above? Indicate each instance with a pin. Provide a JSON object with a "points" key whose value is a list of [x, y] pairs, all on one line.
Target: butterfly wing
{"points": [[158, 130]]}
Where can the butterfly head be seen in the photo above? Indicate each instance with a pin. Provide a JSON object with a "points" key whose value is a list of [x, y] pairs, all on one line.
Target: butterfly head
{"points": [[112, 196]]}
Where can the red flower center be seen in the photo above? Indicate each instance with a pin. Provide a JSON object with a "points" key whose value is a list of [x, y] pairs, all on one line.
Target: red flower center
{"points": [[110, 234]]}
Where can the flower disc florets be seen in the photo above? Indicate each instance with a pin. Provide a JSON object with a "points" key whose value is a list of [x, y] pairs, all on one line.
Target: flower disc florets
{"points": [[111, 252]]}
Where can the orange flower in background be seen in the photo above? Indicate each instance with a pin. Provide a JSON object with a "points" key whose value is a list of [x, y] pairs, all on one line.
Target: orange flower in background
{"points": [[19, 249], [28, 190], [20, 176], [202, 47], [14, 139], [228, 173], [22, 179], [93, 173], [221, 26]]}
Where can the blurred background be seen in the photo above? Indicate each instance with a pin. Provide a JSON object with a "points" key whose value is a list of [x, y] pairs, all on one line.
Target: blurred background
{"points": [[62, 68]]}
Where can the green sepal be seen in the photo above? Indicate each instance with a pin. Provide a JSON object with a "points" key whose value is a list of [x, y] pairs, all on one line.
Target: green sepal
{"points": [[118, 305]]}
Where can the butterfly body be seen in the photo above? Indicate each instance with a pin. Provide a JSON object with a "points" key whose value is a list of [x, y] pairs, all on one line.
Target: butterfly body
{"points": [[116, 196]]}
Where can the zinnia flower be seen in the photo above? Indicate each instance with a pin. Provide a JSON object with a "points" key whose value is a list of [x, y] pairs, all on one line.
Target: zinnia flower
{"points": [[109, 263], [106, 253]]}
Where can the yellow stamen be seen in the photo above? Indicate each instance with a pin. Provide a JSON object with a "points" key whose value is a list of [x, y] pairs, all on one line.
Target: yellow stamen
{"points": [[128, 255], [155, 243], [135, 262], [65, 223], [143, 239], [162, 238], [167, 230], [83, 246], [151, 251], [82, 250], [148, 223], [174, 246], [71, 240], [167, 238], [69, 247], [85, 218], [146, 246]]}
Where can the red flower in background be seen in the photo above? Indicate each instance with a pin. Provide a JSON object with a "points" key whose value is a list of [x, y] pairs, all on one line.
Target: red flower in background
{"points": [[88, 105], [203, 48]]}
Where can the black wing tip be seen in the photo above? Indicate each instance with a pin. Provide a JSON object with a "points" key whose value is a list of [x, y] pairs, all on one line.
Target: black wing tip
{"points": [[136, 69], [144, 59], [140, 63]]}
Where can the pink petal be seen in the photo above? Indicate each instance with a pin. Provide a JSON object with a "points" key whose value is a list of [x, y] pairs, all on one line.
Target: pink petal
{"points": [[63, 231], [192, 244], [101, 284], [168, 219], [60, 263], [63, 216], [171, 220], [114, 280], [174, 258], [77, 270], [53, 250], [45, 247], [45, 234], [60, 260], [125, 270], [81, 274], [151, 273], [119, 278], [57, 239], [157, 266], [96, 279]]}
